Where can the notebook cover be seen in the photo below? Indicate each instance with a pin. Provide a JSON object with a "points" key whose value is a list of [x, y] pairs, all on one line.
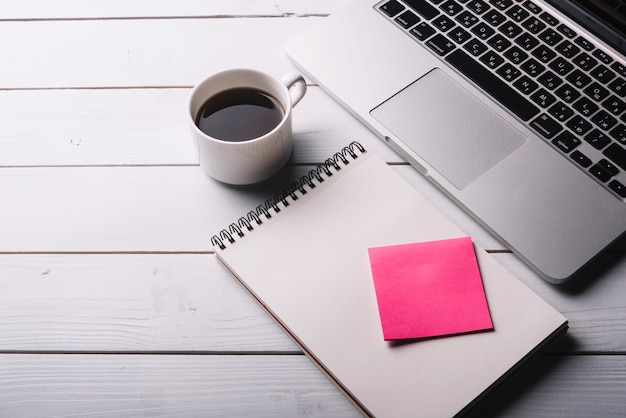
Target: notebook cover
{"points": [[308, 267]]}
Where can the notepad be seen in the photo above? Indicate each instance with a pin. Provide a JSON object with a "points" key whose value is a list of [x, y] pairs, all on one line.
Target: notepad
{"points": [[303, 256], [429, 289]]}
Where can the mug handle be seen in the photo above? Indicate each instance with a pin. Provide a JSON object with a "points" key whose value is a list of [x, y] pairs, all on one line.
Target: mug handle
{"points": [[296, 85]]}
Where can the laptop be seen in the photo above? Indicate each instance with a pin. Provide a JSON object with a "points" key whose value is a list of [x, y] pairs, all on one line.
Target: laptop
{"points": [[515, 109]]}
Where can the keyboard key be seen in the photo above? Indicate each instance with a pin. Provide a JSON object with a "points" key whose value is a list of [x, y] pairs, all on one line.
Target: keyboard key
{"points": [[478, 6], [517, 13], [578, 79], [459, 35], [618, 188], [586, 107], [440, 44], [585, 61], [504, 94], [475, 47], [567, 93], [501, 4], [597, 139], [566, 30], [543, 98], [604, 120], [602, 74], [544, 54], [560, 66], [561, 111], [407, 19], [620, 68], [608, 166], [443, 23], [483, 31], [602, 56], [422, 8], [546, 126], [534, 25], [494, 18], [422, 31], [579, 125], [515, 55], [550, 80], [567, 49], [532, 67], [596, 92], [467, 19], [600, 171], [617, 154], [614, 105], [510, 29], [499, 43], [532, 7], [492, 60], [392, 8], [526, 41], [550, 37], [584, 43], [451, 8], [566, 142], [549, 19], [619, 133], [526, 85], [618, 86], [581, 159], [508, 72]]}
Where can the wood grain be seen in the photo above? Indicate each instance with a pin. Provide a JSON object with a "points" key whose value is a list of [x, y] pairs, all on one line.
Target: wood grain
{"points": [[51, 385], [142, 209], [189, 303], [89, 127], [171, 385], [140, 52], [80, 9]]}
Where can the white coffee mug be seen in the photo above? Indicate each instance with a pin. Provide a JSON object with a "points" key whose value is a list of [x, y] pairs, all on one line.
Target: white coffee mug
{"points": [[254, 160]]}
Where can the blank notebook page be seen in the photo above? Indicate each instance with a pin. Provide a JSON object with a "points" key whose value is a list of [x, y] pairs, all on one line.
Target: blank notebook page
{"points": [[308, 266]]}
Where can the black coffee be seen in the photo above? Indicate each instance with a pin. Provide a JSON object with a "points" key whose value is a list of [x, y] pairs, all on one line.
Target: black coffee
{"points": [[239, 114]]}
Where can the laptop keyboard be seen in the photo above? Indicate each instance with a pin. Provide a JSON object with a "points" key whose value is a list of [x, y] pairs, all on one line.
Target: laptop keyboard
{"points": [[553, 79]]}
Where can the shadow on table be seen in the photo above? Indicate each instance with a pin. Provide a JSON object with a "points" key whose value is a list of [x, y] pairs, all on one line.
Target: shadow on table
{"points": [[597, 269], [508, 397]]}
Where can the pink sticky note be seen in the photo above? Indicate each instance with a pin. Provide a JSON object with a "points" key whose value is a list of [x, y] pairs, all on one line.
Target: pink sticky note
{"points": [[429, 289]]}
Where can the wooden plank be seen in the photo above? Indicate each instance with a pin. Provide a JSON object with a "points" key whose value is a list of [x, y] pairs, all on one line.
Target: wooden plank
{"points": [[171, 385], [138, 53], [95, 209], [130, 303], [593, 303], [145, 209], [273, 386], [561, 386], [147, 127], [188, 302], [80, 9]]}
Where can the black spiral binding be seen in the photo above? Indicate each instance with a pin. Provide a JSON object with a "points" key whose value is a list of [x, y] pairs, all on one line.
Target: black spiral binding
{"points": [[282, 200]]}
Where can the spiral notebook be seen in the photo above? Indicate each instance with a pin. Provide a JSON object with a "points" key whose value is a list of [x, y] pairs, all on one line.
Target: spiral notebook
{"points": [[304, 257]]}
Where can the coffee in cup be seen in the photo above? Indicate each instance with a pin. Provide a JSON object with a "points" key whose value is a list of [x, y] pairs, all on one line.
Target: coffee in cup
{"points": [[241, 123]]}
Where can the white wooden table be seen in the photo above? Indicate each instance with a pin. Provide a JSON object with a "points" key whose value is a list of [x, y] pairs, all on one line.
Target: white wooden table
{"points": [[111, 300]]}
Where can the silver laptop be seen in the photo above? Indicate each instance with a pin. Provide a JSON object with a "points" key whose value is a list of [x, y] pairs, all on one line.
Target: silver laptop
{"points": [[513, 108]]}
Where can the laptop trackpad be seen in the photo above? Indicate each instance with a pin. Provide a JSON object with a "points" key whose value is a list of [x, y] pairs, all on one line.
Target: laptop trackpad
{"points": [[448, 128]]}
